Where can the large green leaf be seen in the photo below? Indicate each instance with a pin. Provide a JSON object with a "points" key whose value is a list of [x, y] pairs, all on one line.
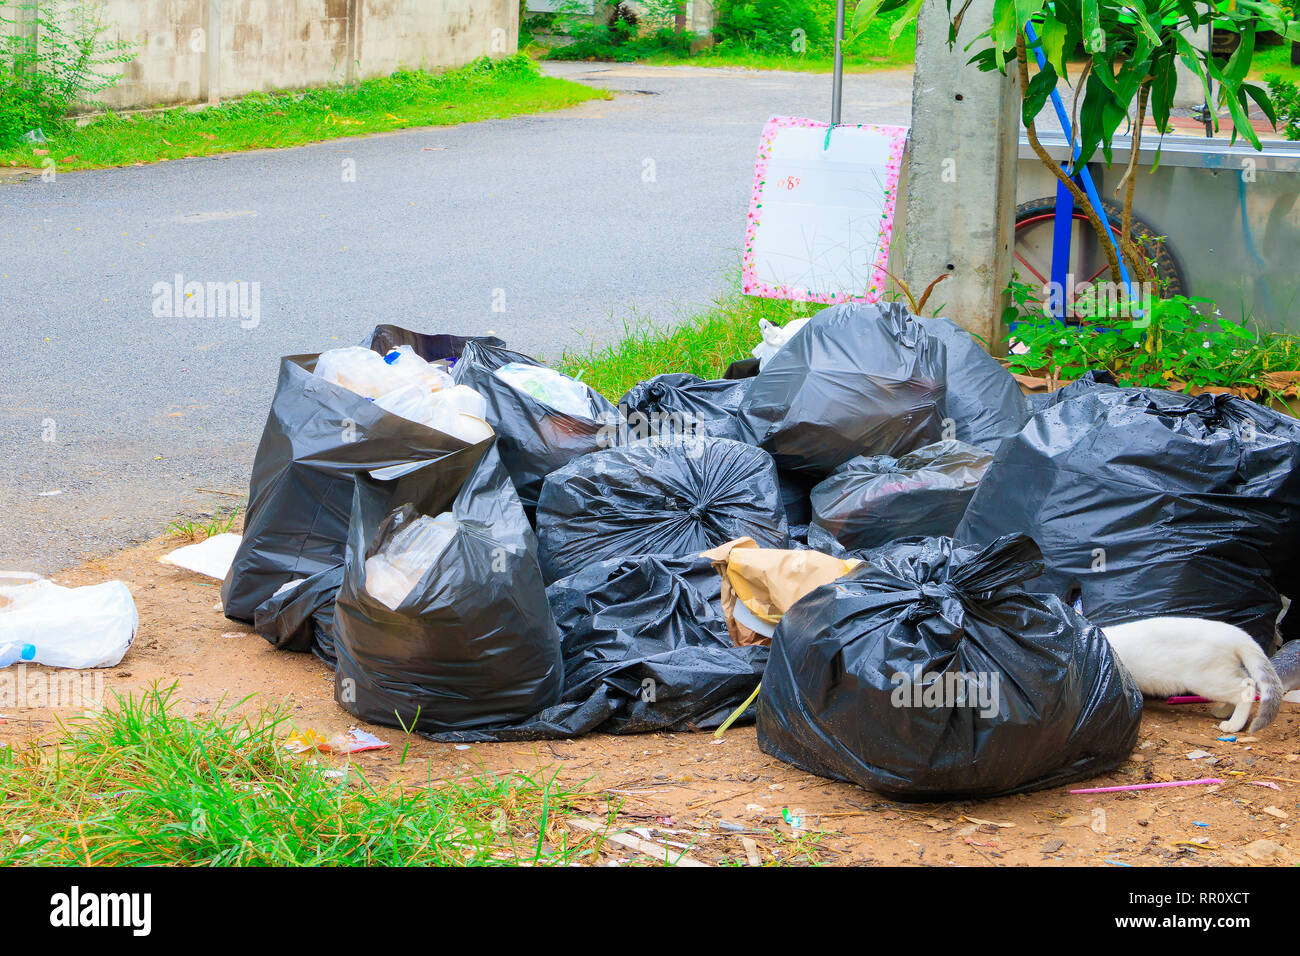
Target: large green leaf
{"points": [[1035, 97]]}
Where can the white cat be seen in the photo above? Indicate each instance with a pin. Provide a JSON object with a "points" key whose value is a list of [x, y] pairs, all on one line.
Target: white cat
{"points": [[1186, 655]]}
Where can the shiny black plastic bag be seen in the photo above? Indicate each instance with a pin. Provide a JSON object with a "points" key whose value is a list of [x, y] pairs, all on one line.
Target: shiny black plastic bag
{"points": [[657, 497], [1150, 503], [683, 405], [983, 400], [317, 436], [533, 438], [870, 501], [302, 618], [645, 649], [856, 380], [930, 673], [474, 645]]}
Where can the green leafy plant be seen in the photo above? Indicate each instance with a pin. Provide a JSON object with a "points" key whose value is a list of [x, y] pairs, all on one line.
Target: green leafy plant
{"points": [[1129, 51], [53, 59], [1286, 101], [1172, 345]]}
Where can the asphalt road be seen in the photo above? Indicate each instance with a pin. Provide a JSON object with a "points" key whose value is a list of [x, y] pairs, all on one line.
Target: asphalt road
{"points": [[115, 421]]}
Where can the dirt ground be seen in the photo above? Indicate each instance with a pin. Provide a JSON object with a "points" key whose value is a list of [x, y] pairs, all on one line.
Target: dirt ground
{"points": [[726, 801]]}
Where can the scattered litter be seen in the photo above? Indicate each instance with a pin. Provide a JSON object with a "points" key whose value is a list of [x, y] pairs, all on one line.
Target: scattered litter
{"points": [[43, 623], [1148, 786], [657, 851], [1117, 862], [48, 494], [1265, 783], [752, 856], [1198, 754], [211, 557], [987, 823], [1198, 823], [354, 741], [1276, 812], [1230, 738]]}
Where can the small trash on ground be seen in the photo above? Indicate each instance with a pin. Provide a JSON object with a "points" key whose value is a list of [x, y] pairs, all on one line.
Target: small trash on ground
{"points": [[44, 623], [657, 497], [211, 557], [354, 741], [758, 585], [929, 672], [478, 617], [870, 501], [856, 380]]}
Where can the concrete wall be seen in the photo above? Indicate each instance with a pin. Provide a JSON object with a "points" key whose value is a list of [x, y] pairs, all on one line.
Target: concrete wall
{"points": [[284, 44]]}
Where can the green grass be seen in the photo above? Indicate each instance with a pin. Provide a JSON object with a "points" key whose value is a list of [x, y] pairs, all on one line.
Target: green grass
{"points": [[486, 89], [871, 50], [140, 785], [1274, 59], [192, 530], [703, 345]]}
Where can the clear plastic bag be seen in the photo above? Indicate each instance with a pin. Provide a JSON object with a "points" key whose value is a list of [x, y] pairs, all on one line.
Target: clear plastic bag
{"points": [[394, 572], [549, 387]]}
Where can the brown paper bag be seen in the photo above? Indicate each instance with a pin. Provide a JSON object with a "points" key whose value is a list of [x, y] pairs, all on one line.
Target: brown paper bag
{"points": [[768, 581]]}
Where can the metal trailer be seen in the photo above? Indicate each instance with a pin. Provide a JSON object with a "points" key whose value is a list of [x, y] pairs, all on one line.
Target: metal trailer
{"points": [[1229, 215]]}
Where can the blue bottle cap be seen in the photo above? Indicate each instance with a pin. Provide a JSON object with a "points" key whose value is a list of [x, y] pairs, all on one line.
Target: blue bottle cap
{"points": [[392, 356], [29, 652]]}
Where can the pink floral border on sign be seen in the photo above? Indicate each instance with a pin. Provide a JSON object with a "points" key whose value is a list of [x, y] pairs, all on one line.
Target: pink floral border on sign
{"points": [[750, 283]]}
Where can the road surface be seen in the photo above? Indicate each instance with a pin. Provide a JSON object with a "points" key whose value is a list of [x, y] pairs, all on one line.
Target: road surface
{"points": [[117, 419]]}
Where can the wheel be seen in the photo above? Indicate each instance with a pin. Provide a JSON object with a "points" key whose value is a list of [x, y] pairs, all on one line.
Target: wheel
{"points": [[1035, 224]]}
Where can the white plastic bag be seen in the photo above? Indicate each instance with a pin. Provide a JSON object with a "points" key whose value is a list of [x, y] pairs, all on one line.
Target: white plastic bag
{"points": [[549, 387], [43, 623], [211, 557], [774, 337]]}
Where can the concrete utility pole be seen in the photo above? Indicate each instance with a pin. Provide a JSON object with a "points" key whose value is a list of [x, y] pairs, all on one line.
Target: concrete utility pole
{"points": [[210, 77], [961, 175]]}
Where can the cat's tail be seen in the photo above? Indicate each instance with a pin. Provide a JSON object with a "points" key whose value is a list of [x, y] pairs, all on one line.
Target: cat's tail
{"points": [[1287, 664], [1257, 665]]}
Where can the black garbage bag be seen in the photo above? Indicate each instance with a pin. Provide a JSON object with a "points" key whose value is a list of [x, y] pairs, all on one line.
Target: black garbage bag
{"points": [[796, 491], [533, 438], [657, 497], [474, 645], [302, 617], [678, 404], [1150, 503], [870, 501], [645, 649], [930, 673], [856, 380], [317, 436], [983, 400]]}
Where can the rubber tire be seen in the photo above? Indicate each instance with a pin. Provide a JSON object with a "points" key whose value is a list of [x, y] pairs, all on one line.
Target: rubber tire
{"points": [[1169, 274]]}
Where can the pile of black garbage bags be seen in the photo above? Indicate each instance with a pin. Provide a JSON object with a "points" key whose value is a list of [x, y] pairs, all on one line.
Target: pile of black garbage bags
{"points": [[561, 587]]}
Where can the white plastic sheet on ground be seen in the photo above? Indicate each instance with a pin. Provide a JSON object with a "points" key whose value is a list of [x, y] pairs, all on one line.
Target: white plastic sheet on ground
{"points": [[43, 623]]}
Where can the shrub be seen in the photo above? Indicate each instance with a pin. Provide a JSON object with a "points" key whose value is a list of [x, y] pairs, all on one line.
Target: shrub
{"points": [[51, 61]]}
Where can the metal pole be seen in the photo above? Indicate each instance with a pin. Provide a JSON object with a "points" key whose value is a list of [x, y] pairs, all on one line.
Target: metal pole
{"points": [[837, 87]]}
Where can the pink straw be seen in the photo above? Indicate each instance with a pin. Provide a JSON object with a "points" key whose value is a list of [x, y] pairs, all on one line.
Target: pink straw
{"points": [[1148, 786]]}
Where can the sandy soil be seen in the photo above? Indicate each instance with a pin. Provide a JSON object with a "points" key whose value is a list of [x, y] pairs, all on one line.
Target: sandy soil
{"points": [[725, 800]]}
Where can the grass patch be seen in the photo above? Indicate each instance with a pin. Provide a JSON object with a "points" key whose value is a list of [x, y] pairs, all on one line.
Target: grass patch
{"points": [[140, 785], [486, 89], [1274, 60], [703, 345], [196, 530]]}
